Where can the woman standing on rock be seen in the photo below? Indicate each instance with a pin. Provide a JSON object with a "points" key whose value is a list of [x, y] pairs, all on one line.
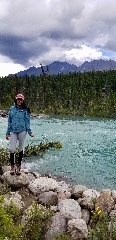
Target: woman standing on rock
{"points": [[18, 127]]}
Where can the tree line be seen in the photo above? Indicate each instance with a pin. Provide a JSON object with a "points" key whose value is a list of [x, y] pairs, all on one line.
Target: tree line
{"points": [[88, 93]]}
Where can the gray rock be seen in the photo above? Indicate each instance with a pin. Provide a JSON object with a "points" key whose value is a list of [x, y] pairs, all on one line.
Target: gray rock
{"points": [[42, 184], [19, 181], [114, 195], [91, 193], [88, 199], [113, 213], [105, 201], [64, 195], [15, 198], [86, 215], [78, 190], [48, 198], [86, 202], [70, 208], [77, 229], [58, 226]]}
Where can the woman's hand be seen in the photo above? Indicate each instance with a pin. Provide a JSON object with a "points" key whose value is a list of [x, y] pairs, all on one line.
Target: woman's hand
{"points": [[32, 134], [7, 137]]}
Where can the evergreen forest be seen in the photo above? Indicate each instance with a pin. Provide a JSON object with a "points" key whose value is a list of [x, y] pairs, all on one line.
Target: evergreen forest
{"points": [[82, 94]]}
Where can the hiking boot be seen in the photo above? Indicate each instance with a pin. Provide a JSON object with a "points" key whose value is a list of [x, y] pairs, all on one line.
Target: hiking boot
{"points": [[12, 171], [18, 170]]}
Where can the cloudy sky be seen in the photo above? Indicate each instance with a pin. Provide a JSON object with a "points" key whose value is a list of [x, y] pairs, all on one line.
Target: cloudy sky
{"points": [[43, 31]]}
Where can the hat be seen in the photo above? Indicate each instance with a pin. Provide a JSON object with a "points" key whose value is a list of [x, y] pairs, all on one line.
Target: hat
{"points": [[20, 95]]}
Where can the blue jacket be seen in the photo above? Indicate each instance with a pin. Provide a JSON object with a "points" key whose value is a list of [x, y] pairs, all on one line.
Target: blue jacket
{"points": [[18, 120]]}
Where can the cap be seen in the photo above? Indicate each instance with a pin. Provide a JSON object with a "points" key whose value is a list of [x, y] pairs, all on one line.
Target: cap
{"points": [[20, 95]]}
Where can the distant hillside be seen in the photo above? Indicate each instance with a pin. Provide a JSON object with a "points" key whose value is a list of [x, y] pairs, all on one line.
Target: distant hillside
{"points": [[64, 67], [97, 65]]}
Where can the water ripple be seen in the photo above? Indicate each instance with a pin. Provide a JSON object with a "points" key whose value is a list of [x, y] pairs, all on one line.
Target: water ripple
{"points": [[88, 154]]}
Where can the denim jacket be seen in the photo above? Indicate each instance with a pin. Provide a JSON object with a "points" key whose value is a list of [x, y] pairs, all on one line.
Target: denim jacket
{"points": [[18, 120]]}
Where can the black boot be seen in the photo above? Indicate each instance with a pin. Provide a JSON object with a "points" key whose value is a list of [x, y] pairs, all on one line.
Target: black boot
{"points": [[19, 162], [12, 162]]}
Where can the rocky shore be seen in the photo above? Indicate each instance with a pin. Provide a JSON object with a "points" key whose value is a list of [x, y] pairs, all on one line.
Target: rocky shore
{"points": [[72, 204], [4, 113]]}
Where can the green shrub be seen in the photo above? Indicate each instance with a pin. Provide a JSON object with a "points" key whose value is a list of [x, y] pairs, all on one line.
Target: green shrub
{"points": [[62, 236], [29, 151], [37, 221], [10, 222], [102, 226], [4, 188], [9, 228]]}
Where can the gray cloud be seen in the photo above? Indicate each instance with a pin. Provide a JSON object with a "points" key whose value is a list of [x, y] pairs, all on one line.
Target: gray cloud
{"points": [[20, 50], [47, 30]]}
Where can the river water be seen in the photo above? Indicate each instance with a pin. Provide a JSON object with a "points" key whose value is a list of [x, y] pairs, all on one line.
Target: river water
{"points": [[88, 153]]}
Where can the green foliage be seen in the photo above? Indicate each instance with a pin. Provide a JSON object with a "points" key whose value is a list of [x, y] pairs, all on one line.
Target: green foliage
{"points": [[29, 150], [4, 188], [102, 226], [4, 156], [10, 222], [88, 93], [43, 146], [62, 236], [37, 221], [9, 228]]}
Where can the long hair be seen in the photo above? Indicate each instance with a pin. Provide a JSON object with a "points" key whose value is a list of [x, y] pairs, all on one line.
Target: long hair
{"points": [[23, 106]]}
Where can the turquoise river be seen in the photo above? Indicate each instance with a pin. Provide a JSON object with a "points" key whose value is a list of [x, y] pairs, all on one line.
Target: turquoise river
{"points": [[88, 153]]}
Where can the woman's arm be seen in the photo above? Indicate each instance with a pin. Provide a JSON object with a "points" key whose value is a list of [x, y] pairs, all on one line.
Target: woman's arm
{"points": [[9, 125], [27, 123]]}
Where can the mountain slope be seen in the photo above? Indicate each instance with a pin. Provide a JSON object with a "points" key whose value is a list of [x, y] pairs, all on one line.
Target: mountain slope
{"points": [[64, 67], [97, 65]]}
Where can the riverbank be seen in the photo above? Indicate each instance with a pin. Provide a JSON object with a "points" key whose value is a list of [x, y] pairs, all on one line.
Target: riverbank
{"points": [[4, 113], [73, 206], [87, 155]]}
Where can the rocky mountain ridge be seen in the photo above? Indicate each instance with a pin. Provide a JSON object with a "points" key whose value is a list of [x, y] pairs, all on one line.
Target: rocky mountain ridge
{"points": [[64, 67]]}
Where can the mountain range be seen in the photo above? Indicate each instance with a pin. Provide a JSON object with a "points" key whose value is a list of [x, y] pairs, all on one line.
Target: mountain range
{"points": [[64, 67]]}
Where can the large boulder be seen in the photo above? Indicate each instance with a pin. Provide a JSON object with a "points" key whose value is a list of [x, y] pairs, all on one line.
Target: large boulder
{"points": [[86, 215], [48, 198], [78, 190], [58, 226], [113, 194], [46, 184], [88, 199], [77, 229], [105, 201], [15, 198], [17, 181], [70, 208], [42, 184]]}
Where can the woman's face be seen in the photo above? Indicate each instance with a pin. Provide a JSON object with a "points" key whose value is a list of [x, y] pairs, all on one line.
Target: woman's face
{"points": [[19, 101]]}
